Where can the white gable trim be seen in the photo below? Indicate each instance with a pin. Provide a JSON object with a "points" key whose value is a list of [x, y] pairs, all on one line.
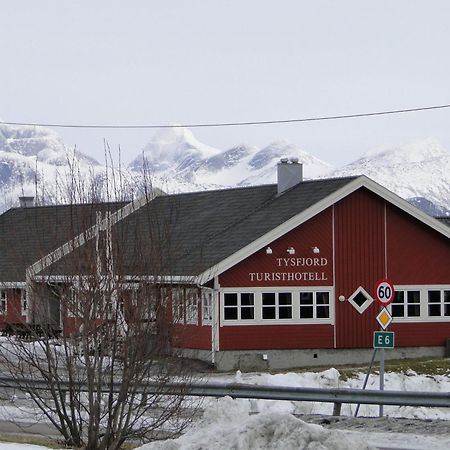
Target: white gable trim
{"points": [[88, 234], [315, 209]]}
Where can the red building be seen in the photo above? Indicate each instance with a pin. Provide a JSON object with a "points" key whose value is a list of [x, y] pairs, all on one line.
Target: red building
{"points": [[283, 275]]}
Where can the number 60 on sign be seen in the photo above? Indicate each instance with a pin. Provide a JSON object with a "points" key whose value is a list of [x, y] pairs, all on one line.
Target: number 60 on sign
{"points": [[384, 292]]}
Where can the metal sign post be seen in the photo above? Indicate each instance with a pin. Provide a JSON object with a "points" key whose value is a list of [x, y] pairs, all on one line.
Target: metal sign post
{"points": [[384, 293]]}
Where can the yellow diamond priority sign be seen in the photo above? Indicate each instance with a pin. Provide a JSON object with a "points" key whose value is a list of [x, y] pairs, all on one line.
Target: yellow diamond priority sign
{"points": [[384, 318]]}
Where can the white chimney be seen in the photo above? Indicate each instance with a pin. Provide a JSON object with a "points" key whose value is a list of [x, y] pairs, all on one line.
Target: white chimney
{"points": [[26, 202], [289, 173]]}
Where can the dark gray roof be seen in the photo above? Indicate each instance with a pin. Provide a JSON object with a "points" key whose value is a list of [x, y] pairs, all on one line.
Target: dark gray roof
{"points": [[186, 234], [190, 233], [28, 234]]}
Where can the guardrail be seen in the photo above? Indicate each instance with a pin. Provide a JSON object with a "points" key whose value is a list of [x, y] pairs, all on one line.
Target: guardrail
{"points": [[239, 390]]}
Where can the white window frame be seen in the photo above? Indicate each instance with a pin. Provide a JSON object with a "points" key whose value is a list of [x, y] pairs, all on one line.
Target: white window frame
{"points": [[277, 305], [191, 302], [207, 307], [23, 302], [442, 303], [406, 303], [239, 306], [315, 305], [178, 305], [365, 305], [185, 305], [424, 316], [3, 302], [294, 290]]}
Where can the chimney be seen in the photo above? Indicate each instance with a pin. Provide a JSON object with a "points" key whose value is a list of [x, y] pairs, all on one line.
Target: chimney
{"points": [[26, 202], [289, 173]]}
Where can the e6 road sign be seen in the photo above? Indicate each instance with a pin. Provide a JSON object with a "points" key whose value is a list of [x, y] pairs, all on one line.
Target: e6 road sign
{"points": [[383, 339]]}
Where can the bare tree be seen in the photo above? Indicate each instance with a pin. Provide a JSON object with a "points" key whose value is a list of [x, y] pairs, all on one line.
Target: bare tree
{"points": [[96, 354]]}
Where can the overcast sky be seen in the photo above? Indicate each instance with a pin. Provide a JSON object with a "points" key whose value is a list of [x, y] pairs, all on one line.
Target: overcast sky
{"points": [[162, 62]]}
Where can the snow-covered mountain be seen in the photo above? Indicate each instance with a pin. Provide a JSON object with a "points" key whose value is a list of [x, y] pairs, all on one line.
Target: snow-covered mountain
{"points": [[172, 149], [176, 153], [246, 165], [419, 169], [35, 161]]}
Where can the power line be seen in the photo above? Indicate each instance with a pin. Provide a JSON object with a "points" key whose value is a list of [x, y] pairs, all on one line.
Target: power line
{"points": [[234, 124]]}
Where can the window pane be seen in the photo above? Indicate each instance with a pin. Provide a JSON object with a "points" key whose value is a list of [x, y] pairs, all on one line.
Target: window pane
{"points": [[323, 312], [285, 298], [434, 310], [247, 313], [306, 312], [268, 312], [446, 296], [268, 298], [434, 296], [323, 298], [285, 312], [231, 313], [399, 297], [413, 296], [230, 299], [413, 310], [306, 298], [447, 309], [398, 310], [247, 299]]}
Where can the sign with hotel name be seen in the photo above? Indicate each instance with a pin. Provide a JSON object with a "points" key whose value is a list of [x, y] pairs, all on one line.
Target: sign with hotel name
{"points": [[301, 269]]}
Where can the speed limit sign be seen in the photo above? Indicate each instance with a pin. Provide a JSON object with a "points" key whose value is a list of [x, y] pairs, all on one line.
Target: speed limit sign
{"points": [[384, 292]]}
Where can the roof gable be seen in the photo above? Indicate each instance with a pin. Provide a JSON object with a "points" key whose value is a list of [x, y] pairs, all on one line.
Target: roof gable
{"points": [[318, 206]]}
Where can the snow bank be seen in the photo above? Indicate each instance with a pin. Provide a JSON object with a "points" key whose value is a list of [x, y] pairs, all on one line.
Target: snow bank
{"points": [[228, 424], [330, 378], [14, 446]]}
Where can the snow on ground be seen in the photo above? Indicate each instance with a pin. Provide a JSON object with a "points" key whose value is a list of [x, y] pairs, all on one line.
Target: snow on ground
{"points": [[409, 381], [229, 425], [13, 446]]}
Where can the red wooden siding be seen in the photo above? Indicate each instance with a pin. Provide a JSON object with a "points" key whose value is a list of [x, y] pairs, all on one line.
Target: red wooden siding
{"points": [[13, 308], [315, 232], [420, 334], [359, 241], [192, 336], [417, 254], [276, 337]]}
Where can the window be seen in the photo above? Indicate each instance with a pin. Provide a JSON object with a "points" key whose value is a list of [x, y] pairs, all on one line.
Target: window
{"points": [[430, 303], [276, 305], [406, 304], [177, 305], [23, 301], [192, 306], [438, 303], [239, 306], [314, 305], [322, 305], [3, 302], [185, 305], [207, 307]]}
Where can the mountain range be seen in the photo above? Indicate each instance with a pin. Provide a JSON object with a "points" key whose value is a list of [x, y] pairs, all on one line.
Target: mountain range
{"points": [[35, 161]]}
